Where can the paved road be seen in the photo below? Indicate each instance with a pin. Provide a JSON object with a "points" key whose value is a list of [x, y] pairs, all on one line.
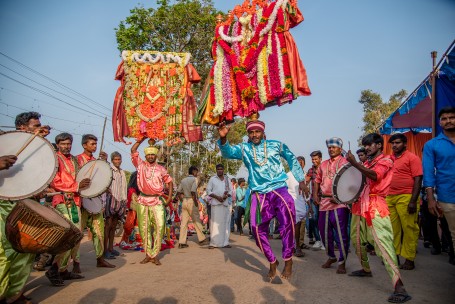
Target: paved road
{"points": [[199, 275]]}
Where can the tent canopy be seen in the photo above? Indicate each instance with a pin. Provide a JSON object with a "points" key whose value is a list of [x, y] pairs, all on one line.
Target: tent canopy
{"points": [[415, 113]]}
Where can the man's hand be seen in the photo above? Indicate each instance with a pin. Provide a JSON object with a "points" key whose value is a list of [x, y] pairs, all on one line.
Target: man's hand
{"points": [[84, 184], [316, 199], [412, 207], [7, 161], [223, 129], [103, 155], [351, 158], [304, 188], [433, 207], [43, 131]]}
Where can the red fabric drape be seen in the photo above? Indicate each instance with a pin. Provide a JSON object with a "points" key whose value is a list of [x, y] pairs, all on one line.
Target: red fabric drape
{"points": [[415, 143], [119, 124]]}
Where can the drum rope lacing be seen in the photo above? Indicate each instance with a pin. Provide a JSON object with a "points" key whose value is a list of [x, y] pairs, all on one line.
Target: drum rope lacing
{"points": [[262, 163]]}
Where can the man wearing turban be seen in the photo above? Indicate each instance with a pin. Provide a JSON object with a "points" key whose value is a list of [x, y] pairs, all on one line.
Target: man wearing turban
{"points": [[151, 215], [270, 197], [333, 217]]}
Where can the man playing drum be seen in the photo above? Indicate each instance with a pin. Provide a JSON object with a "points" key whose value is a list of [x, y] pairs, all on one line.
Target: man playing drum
{"points": [[151, 178], [270, 197], [15, 267], [95, 222], [370, 215], [333, 217], [68, 204]]}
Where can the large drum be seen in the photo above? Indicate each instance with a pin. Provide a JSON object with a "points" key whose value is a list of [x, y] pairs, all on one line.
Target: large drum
{"points": [[34, 169], [33, 228], [348, 185], [100, 174], [93, 205]]}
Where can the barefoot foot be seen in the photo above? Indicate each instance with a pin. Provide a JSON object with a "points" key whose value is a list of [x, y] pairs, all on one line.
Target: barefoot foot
{"points": [[272, 272], [146, 260], [287, 270], [155, 261], [341, 269], [329, 262]]}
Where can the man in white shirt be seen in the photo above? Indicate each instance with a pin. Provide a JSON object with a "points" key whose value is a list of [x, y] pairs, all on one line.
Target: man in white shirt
{"points": [[219, 189]]}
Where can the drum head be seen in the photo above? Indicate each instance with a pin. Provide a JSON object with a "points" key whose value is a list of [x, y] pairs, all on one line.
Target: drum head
{"points": [[34, 169], [45, 212], [93, 205], [348, 184], [100, 173]]}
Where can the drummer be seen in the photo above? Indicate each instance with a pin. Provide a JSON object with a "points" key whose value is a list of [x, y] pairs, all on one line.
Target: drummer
{"points": [[68, 204], [333, 217], [95, 222], [370, 215], [15, 267]]}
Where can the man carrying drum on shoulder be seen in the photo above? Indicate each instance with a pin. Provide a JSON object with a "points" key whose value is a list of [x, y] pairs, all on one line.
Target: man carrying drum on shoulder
{"points": [[370, 215], [332, 216], [15, 267]]}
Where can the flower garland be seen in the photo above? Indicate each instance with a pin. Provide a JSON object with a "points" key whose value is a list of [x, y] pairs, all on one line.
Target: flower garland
{"points": [[147, 57], [262, 61], [218, 83]]}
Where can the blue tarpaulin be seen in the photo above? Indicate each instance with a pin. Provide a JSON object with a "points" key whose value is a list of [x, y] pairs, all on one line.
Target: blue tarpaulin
{"points": [[415, 114]]}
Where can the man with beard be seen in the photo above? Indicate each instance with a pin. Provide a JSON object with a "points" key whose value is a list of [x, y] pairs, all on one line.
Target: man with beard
{"points": [[402, 200], [68, 204], [370, 215], [270, 196], [151, 216], [15, 267], [438, 171]]}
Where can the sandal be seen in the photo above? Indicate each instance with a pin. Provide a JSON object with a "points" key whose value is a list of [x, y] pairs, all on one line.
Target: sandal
{"points": [[54, 278], [360, 273], [399, 297], [304, 246]]}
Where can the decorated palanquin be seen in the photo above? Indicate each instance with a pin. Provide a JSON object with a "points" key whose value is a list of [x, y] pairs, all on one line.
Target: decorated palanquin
{"points": [[155, 98], [256, 61]]}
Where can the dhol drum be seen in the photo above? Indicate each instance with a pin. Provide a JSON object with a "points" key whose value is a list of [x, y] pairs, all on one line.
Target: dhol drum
{"points": [[348, 185], [33, 228], [93, 205], [100, 174], [34, 169]]}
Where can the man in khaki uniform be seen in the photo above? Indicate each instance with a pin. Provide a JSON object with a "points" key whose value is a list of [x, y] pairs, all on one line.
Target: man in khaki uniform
{"points": [[190, 209]]}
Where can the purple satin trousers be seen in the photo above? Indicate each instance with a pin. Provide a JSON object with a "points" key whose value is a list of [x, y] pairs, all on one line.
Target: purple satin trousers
{"points": [[280, 204]]}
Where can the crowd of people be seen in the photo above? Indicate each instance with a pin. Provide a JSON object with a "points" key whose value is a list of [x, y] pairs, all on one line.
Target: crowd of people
{"points": [[402, 198]]}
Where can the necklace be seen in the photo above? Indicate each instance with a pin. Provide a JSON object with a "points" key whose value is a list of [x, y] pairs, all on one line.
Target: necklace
{"points": [[152, 173], [331, 174], [262, 163]]}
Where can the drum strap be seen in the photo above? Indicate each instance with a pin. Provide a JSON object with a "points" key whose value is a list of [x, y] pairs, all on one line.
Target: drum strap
{"points": [[75, 165]]}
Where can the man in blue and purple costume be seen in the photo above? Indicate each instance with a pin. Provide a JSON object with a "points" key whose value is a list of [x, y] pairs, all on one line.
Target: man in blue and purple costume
{"points": [[270, 197]]}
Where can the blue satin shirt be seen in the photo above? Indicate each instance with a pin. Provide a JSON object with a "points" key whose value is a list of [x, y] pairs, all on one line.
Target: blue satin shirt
{"points": [[266, 173]]}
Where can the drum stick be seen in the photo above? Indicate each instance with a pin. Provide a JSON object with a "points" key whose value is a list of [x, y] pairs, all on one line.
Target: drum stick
{"points": [[53, 193], [26, 144], [102, 136], [349, 145]]}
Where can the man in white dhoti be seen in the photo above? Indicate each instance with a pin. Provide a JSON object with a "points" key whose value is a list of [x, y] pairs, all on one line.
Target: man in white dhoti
{"points": [[219, 189]]}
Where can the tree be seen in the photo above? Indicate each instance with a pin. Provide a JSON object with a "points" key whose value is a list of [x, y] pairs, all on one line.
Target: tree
{"points": [[185, 26], [376, 111]]}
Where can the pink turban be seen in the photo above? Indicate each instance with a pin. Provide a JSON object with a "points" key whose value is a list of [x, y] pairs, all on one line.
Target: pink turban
{"points": [[255, 125]]}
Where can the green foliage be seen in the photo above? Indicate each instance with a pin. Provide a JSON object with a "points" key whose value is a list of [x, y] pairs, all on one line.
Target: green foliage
{"points": [[376, 111], [186, 26]]}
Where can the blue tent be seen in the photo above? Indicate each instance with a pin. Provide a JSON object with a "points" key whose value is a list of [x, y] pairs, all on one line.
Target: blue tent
{"points": [[415, 113]]}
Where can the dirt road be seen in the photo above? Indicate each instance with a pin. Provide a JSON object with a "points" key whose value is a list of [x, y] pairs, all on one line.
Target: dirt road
{"points": [[236, 275]]}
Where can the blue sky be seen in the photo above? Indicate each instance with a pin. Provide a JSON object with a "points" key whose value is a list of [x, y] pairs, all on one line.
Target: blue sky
{"points": [[346, 46]]}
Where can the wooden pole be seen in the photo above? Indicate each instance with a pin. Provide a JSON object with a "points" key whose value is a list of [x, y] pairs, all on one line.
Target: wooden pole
{"points": [[434, 54]]}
